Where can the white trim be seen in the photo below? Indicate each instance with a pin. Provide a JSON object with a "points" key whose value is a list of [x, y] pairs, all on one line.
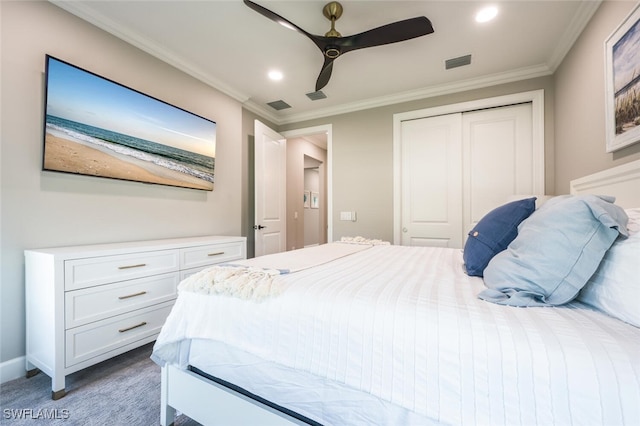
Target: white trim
{"points": [[328, 129], [536, 97], [12, 369], [582, 16]]}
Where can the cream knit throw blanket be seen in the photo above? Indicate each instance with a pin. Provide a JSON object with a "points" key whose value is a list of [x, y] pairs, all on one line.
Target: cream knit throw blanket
{"points": [[244, 282], [255, 279]]}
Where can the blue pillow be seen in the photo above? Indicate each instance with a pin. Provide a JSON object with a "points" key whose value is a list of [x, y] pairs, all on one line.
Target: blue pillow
{"points": [[493, 233], [555, 253]]}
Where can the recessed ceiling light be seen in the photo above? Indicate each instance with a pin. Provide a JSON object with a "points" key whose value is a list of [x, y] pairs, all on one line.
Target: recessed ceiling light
{"points": [[486, 14], [275, 75]]}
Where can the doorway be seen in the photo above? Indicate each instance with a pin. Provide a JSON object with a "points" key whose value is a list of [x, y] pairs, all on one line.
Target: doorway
{"points": [[307, 191], [321, 136]]}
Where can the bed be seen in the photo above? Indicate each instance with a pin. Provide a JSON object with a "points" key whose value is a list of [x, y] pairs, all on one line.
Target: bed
{"points": [[363, 332]]}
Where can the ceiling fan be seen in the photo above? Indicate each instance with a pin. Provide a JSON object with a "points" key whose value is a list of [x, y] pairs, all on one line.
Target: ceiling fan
{"points": [[333, 44]]}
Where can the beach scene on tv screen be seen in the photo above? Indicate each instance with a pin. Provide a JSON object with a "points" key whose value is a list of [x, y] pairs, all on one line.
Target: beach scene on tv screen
{"points": [[96, 127]]}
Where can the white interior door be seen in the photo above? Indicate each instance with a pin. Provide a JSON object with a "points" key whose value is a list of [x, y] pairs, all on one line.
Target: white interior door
{"points": [[431, 179], [497, 146], [270, 190]]}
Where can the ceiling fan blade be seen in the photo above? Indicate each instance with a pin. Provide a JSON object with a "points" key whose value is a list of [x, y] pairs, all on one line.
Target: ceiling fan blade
{"points": [[280, 20], [386, 34], [325, 73]]}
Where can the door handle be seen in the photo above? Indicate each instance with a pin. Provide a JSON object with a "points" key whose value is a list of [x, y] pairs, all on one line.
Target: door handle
{"points": [[258, 227]]}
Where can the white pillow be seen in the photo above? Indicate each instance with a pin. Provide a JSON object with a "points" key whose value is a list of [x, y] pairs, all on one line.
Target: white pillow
{"points": [[633, 226], [615, 286]]}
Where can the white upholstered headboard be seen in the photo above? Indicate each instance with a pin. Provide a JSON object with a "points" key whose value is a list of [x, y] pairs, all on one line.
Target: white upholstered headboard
{"points": [[623, 182]]}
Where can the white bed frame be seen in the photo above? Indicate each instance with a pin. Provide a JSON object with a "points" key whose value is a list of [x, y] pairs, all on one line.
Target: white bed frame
{"points": [[622, 181], [210, 403]]}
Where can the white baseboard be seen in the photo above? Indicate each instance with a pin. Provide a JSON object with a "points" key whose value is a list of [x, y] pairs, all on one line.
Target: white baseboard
{"points": [[12, 369]]}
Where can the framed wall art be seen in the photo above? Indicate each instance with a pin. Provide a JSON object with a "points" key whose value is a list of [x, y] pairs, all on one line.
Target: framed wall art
{"points": [[307, 198], [622, 84]]}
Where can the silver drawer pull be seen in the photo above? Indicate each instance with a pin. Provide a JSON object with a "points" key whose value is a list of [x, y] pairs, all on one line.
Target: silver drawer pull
{"points": [[139, 265], [122, 330], [132, 295], [216, 253]]}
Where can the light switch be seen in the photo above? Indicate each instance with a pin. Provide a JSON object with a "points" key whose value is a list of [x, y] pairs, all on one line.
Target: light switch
{"points": [[350, 216]]}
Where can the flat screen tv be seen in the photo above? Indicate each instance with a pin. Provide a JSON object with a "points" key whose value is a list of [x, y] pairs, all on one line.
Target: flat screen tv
{"points": [[97, 127]]}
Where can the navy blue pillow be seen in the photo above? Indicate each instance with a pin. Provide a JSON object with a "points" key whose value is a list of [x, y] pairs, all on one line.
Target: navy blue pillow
{"points": [[493, 234]]}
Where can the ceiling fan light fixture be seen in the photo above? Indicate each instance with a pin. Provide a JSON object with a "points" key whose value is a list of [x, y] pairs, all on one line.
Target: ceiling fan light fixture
{"points": [[486, 14]]}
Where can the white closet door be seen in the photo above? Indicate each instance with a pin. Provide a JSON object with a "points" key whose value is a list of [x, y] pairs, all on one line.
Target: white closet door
{"points": [[431, 181], [455, 168], [497, 146]]}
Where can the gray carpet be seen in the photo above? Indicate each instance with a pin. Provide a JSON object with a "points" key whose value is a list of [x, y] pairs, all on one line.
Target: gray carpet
{"points": [[124, 390]]}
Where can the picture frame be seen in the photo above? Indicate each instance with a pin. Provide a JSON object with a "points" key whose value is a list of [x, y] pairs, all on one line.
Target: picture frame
{"points": [[622, 85], [315, 202], [307, 199]]}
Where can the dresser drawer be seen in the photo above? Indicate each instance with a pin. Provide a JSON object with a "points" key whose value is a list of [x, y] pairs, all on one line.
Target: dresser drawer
{"points": [[92, 340], [81, 273], [194, 257], [95, 303]]}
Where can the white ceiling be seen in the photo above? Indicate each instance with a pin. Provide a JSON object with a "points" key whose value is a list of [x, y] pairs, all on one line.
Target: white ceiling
{"points": [[231, 47]]}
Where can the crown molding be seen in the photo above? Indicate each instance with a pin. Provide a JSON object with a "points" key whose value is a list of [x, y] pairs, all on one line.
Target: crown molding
{"points": [[87, 14], [580, 20], [427, 92]]}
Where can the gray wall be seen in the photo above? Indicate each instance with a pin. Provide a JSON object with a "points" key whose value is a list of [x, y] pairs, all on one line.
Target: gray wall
{"points": [[362, 156], [580, 102], [45, 209]]}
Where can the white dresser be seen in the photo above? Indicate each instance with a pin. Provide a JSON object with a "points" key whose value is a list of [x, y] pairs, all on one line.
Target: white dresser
{"points": [[86, 304]]}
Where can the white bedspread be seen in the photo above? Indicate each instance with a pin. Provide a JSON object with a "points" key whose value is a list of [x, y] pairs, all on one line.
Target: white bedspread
{"points": [[254, 279], [404, 324]]}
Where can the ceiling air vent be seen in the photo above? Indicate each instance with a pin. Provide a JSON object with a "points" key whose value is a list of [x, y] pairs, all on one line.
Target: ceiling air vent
{"points": [[314, 96], [457, 62], [279, 105]]}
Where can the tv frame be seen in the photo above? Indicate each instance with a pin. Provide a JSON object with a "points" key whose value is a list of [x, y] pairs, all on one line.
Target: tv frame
{"points": [[94, 126]]}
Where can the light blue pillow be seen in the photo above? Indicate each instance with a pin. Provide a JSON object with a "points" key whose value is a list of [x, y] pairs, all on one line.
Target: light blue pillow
{"points": [[557, 250], [493, 233]]}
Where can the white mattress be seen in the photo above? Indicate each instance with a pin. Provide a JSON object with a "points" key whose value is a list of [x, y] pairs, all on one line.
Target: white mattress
{"points": [[404, 325]]}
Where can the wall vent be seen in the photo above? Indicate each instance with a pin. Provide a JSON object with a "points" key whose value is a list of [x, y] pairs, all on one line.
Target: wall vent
{"points": [[457, 62], [279, 105], [314, 96]]}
